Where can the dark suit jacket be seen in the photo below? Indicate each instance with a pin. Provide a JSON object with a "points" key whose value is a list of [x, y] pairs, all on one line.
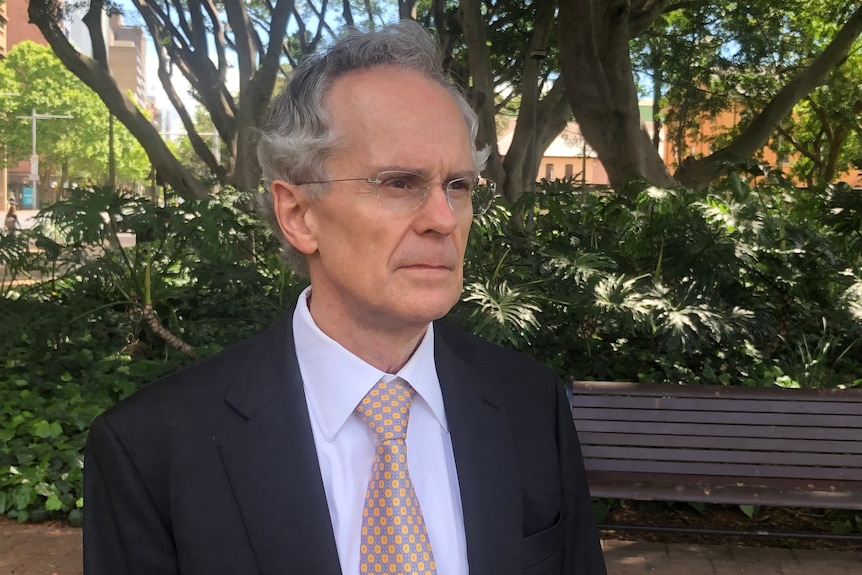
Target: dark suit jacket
{"points": [[213, 470]]}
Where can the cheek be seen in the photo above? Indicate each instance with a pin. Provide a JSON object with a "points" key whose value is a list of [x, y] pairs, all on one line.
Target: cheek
{"points": [[363, 244]]}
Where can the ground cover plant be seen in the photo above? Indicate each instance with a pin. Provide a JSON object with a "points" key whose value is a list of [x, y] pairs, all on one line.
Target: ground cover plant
{"points": [[744, 284]]}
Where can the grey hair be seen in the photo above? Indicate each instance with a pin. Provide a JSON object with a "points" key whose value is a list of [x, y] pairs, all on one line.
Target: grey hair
{"points": [[298, 135]]}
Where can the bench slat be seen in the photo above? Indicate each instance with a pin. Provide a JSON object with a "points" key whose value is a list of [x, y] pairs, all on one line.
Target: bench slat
{"points": [[727, 469], [741, 490], [718, 404], [712, 442], [617, 388], [713, 430], [722, 417], [766, 460]]}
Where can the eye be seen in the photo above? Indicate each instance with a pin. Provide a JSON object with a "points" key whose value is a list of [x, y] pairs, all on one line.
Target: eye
{"points": [[404, 181], [461, 186]]}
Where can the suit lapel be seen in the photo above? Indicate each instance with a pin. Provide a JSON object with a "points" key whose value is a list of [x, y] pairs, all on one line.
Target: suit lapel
{"points": [[487, 471], [272, 463]]}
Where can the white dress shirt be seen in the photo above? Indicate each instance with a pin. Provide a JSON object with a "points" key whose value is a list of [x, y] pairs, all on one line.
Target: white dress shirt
{"points": [[335, 381]]}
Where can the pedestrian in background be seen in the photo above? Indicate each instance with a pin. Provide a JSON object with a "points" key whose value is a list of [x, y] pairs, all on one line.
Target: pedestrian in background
{"points": [[12, 223]]}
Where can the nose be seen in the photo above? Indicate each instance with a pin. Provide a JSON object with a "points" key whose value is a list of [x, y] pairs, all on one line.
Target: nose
{"points": [[437, 213], [443, 186]]}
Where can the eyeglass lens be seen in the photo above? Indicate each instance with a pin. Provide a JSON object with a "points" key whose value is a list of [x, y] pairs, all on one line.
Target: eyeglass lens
{"points": [[407, 191]]}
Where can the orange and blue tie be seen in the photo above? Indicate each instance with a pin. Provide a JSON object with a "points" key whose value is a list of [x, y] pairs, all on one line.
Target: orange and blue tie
{"points": [[394, 537]]}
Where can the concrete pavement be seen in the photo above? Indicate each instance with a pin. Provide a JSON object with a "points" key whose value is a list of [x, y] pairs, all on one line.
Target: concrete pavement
{"points": [[641, 558], [54, 549]]}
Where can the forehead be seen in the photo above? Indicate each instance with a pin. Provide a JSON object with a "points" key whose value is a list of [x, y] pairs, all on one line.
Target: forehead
{"points": [[389, 114]]}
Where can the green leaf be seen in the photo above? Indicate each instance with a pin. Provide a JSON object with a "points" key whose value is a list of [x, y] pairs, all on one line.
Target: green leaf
{"points": [[24, 495], [47, 430], [750, 510], [53, 503], [76, 518]]}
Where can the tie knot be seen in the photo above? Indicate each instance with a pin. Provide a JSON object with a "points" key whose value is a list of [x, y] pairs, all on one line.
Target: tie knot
{"points": [[386, 408]]}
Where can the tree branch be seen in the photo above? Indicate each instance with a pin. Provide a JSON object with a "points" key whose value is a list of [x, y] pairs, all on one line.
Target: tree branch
{"points": [[698, 173], [45, 14], [479, 62]]}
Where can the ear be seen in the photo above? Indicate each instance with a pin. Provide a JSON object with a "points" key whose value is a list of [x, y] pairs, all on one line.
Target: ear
{"points": [[293, 210]]}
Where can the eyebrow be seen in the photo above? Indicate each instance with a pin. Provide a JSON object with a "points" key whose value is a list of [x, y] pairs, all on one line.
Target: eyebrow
{"points": [[452, 175]]}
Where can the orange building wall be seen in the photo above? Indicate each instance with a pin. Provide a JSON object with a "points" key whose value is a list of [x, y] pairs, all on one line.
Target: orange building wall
{"points": [[19, 27], [714, 127]]}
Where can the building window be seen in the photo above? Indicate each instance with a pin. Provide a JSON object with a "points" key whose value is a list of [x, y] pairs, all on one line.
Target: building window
{"points": [[570, 170], [549, 171]]}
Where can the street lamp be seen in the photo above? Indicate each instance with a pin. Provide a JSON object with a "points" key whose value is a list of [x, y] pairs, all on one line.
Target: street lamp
{"points": [[34, 159], [538, 56]]}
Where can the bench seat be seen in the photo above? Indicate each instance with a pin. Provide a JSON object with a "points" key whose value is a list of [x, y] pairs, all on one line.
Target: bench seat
{"points": [[714, 444]]}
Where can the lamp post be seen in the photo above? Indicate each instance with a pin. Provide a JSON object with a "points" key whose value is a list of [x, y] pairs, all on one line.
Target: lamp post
{"points": [[535, 159], [34, 159]]}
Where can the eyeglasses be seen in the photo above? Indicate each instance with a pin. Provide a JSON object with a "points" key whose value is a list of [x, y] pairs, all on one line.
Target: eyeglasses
{"points": [[406, 191]]}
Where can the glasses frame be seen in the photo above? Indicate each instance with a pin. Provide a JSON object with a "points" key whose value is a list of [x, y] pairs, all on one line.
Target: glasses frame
{"points": [[426, 188]]}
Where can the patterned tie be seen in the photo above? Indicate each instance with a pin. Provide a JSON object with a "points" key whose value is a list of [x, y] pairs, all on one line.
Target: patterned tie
{"points": [[394, 538]]}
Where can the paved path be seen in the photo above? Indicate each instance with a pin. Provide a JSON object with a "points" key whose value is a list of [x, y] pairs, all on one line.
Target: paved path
{"points": [[46, 549], [638, 558], [52, 549]]}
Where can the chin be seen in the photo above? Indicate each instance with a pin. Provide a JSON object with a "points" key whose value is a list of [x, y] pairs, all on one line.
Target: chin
{"points": [[427, 307]]}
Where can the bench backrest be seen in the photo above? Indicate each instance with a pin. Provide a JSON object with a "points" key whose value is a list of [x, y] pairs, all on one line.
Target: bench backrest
{"points": [[720, 431]]}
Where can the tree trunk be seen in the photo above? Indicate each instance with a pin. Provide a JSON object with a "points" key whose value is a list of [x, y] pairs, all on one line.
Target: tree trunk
{"points": [[595, 61], [407, 9], [596, 65], [255, 100], [522, 161], [539, 121], [479, 62], [64, 180]]}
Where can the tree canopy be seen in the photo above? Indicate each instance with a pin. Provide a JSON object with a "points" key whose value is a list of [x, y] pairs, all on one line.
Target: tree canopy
{"points": [[763, 55], [556, 60], [75, 147]]}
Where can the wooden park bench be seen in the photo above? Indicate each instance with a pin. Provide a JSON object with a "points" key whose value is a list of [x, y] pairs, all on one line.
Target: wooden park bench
{"points": [[714, 444]]}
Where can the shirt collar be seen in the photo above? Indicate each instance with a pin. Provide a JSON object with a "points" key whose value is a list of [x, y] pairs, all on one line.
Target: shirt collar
{"points": [[335, 380]]}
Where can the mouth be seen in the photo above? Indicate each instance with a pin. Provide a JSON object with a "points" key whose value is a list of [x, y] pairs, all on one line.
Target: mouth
{"points": [[427, 267]]}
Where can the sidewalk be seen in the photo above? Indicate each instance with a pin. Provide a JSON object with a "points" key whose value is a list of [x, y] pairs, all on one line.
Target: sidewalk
{"points": [[53, 549], [639, 558]]}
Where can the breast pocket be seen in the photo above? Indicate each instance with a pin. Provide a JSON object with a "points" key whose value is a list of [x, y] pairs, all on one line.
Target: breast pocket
{"points": [[542, 552]]}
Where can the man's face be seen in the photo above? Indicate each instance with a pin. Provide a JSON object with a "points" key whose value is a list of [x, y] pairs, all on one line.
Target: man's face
{"points": [[374, 267]]}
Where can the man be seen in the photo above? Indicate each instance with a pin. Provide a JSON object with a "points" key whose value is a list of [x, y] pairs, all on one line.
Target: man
{"points": [[268, 458]]}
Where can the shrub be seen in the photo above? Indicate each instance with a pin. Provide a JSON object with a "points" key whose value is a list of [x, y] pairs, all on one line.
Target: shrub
{"points": [[743, 284], [78, 340]]}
